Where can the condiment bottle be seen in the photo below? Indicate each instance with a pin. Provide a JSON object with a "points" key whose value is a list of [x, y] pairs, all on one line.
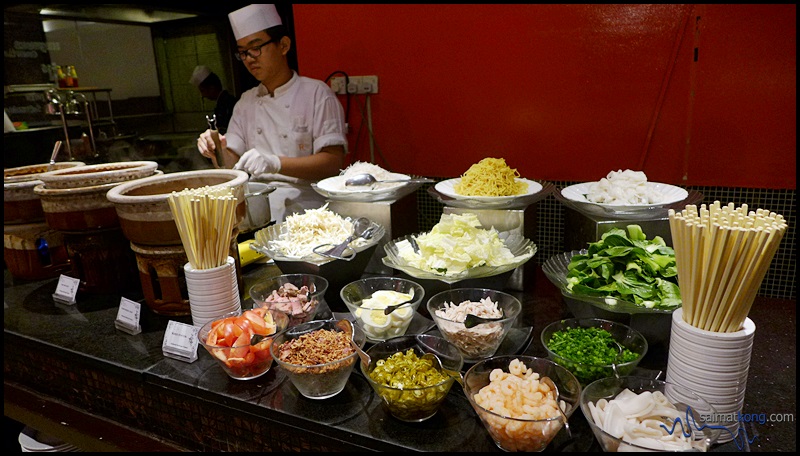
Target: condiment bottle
{"points": [[68, 82], [74, 75], [62, 78]]}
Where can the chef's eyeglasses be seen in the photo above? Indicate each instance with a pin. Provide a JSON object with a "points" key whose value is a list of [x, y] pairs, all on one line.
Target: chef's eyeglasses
{"points": [[253, 52]]}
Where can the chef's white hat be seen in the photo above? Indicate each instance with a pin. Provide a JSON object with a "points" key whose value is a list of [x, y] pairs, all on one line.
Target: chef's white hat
{"points": [[200, 73], [253, 18]]}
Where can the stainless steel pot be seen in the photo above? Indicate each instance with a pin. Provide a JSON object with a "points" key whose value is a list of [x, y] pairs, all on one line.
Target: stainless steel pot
{"points": [[257, 203]]}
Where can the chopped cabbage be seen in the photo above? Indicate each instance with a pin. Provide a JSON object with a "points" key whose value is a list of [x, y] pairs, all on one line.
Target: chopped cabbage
{"points": [[455, 244]]}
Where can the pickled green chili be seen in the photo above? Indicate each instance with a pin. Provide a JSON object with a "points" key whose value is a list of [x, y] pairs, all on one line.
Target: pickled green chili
{"points": [[406, 370], [410, 386]]}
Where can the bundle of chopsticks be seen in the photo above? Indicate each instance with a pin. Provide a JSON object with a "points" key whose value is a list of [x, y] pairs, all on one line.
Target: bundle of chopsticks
{"points": [[722, 254], [205, 218]]}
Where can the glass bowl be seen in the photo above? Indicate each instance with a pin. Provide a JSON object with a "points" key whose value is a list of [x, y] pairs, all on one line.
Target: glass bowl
{"points": [[519, 424], [319, 363], [287, 293], [381, 292], [412, 404], [694, 418], [586, 371], [480, 341], [232, 344]]}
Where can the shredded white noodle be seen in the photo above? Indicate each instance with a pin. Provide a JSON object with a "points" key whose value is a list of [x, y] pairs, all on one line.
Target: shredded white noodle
{"points": [[310, 229]]}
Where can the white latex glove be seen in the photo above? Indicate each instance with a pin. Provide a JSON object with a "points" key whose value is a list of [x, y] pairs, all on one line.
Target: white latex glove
{"points": [[255, 163], [206, 145]]}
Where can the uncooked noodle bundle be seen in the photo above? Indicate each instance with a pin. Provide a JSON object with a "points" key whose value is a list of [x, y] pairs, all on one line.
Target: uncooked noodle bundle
{"points": [[490, 177], [722, 254]]}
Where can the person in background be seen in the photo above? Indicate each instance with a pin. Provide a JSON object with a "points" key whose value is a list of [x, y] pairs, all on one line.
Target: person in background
{"points": [[210, 87], [288, 131]]}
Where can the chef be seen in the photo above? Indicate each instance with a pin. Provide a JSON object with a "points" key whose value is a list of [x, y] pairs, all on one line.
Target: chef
{"points": [[289, 130], [210, 87]]}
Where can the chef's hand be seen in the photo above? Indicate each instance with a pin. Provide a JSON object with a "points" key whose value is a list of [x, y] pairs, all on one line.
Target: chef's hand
{"points": [[255, 163], [206, 145]]}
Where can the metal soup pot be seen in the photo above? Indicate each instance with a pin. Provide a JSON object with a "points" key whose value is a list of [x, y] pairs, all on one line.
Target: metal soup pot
{"points": [[258, 212]]}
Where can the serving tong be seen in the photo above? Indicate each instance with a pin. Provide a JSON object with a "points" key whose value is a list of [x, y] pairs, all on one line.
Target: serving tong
{"points": [[362, 227], [218, 151]]}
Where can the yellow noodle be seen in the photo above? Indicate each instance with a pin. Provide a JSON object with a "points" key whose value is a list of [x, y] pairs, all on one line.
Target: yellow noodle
{"points": [[490, 177]]}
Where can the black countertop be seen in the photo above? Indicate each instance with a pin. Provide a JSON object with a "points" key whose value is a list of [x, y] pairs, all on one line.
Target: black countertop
{"points": [[179, 402]]}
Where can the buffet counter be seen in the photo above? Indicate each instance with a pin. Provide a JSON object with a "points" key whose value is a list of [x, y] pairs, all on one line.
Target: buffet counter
{"points": [[70, 373]]}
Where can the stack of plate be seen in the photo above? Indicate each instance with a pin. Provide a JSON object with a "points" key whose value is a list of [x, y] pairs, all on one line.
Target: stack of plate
{"points": [[715, 365], [31, 441]]}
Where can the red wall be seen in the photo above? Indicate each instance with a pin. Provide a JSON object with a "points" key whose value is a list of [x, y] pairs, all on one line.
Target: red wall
{"points": [[569, 92]]}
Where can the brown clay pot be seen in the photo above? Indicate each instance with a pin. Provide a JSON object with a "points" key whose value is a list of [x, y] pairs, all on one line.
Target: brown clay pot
{"points": [[34, 251], [78, 209], [20, 204], [143, 208], [100, 174]]}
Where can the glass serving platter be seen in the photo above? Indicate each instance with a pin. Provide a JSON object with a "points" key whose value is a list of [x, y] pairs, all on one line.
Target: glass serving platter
{"points": [[274, 232], [334, 189], [517, 244], [444, 193], [556, 268], [574, 196]]}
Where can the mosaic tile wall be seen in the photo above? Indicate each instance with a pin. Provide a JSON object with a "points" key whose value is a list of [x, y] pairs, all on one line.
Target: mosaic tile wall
{"points": [[779, 282]]}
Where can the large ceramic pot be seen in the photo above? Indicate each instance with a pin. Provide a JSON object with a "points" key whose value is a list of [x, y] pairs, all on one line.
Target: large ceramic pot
{"points": [[31, 172], [143, 208], [100, 174], [78, 209], [20, 203]]}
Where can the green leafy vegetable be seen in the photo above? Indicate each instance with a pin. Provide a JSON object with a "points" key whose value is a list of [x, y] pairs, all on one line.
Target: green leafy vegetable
{"points": [[627, 267]]}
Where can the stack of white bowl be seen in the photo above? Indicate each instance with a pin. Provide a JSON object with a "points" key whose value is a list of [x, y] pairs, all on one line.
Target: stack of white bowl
{"points": [[712, 364], [33, 441], [212, 292]]}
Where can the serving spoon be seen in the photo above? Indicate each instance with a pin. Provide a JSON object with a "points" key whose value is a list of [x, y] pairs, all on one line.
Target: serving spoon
{"points": [[389, 309], [437, 364], [550, 384], [347, 327], [473, 320], [360, 180]]}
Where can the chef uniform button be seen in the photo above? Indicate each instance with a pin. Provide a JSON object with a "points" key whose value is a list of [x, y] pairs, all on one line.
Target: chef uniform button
{"points": [[258, 130]]}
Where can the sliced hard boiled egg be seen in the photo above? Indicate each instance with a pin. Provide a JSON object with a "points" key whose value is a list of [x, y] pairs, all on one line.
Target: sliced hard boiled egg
{"points": [[375, 318]]}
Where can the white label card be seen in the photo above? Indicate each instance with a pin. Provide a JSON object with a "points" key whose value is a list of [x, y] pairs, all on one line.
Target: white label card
{"points": [[67, 289], [180, 339], [128, 316]]}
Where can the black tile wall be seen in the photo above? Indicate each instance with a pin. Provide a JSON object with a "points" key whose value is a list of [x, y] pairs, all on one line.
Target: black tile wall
{"points": [[779, 282]]}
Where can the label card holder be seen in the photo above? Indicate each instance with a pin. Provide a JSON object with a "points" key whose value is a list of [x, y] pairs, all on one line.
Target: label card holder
{"points": [[180, 341], [66, 290], [128, 317]]}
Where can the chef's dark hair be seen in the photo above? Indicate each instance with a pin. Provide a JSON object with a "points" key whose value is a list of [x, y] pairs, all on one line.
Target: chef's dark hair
{"points": [[277, 33], [212, 80]]}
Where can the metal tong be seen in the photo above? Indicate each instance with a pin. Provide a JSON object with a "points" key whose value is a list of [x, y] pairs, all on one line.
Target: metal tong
{"points": [[218, 151]]}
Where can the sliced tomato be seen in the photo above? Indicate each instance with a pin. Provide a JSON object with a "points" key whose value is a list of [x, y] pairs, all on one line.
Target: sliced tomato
{"points": [[243, 322], [261, 349], [260, 311], [256, 322], [241, 346]]}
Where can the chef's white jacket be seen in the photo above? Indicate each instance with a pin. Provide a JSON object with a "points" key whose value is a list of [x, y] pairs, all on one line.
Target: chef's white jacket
{"points": [[301, 118]]}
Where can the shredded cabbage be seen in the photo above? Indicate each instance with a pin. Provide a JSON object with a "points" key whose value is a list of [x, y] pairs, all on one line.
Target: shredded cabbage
{"points": [[458, 243]]}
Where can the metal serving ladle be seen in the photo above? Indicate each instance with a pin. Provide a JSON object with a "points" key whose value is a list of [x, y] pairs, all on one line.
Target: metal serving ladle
{"points": [[359, 180]]}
